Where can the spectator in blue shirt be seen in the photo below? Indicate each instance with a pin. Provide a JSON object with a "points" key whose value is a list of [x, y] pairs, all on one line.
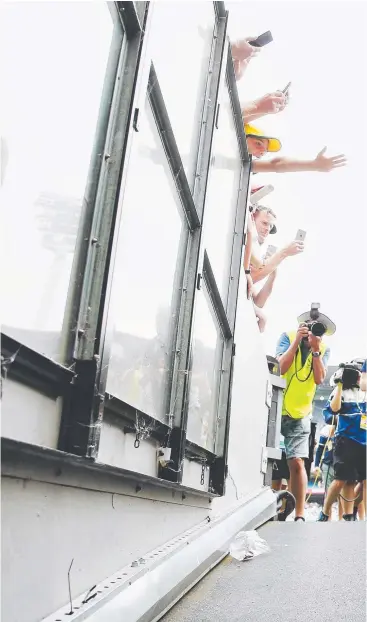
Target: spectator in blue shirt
{"points": [[347, 401]]}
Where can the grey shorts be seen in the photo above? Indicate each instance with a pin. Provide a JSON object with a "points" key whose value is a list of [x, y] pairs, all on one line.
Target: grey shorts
{"points": [[296, 434]]}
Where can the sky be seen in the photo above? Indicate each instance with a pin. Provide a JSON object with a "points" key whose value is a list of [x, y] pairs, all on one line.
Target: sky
{"points": [[321, 48]]}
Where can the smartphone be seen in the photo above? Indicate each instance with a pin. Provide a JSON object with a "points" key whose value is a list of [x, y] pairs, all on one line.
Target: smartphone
{"points": [[301, 236], [259, 194], [262, 40], [285, 91]]}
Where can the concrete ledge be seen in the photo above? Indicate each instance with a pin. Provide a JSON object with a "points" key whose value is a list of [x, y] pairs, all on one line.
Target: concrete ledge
{"points": [[146, 590]]}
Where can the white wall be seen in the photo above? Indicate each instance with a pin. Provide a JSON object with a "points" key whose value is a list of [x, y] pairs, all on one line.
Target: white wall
{"points": [[45, 525], [29, 416], [249, 413]]}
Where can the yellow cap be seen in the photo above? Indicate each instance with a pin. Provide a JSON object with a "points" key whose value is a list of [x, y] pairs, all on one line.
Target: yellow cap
{"points": [[274, 144]]}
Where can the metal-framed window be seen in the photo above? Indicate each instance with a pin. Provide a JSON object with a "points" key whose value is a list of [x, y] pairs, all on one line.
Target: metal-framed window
{"points": [[138, 141], [216, 299]]}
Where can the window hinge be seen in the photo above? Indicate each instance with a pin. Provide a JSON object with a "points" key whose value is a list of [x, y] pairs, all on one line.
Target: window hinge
{"points": [[233, 349], [244, 239], [198, 281]]}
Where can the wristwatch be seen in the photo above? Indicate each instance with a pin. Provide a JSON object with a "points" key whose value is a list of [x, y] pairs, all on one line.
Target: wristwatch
{"points": [[316, 355], [247, 271]]}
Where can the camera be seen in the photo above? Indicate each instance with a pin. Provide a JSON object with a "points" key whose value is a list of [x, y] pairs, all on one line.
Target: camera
{"points": [[348, 375], [317, 328]]}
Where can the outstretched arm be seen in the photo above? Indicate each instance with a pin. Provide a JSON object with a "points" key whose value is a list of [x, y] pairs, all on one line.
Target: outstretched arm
{"points": [[273, 262], [320, 164], [268, 104], [262, 296]]}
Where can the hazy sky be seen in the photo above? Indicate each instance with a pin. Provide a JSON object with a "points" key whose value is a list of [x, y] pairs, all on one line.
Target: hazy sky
{"points": [[321, 48]]}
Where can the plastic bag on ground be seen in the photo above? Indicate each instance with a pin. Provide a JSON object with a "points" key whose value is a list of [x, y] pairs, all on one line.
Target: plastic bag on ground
{"points": [[246, 545]]}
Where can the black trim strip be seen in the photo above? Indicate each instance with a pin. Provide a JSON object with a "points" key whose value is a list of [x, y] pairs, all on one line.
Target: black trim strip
{"points": [[215, 297], [195, 452], [170, 146], [127, 413], [129, 18], [220, 9], [21, 363], [236, 108]]}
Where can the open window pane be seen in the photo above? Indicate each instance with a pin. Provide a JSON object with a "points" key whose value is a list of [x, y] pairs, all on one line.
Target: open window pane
{"points": [[222, 196], [205, 374], [54, 62], [147, 277], [182, 34]]}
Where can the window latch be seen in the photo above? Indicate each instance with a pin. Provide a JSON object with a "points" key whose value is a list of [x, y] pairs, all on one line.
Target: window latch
{"points": [[135, 119], [198, 281], [217, 116]]}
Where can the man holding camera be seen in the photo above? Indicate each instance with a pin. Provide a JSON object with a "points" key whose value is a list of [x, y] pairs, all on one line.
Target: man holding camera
{"points": [[347, 409], [303, 358]]}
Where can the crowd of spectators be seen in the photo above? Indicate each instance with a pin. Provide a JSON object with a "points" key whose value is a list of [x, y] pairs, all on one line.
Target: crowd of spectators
{"points": [[302, 354]]}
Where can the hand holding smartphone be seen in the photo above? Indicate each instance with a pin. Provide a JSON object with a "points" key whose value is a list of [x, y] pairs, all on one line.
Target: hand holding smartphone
{"points": [[261, 193], [301, 235], [262, 40]]}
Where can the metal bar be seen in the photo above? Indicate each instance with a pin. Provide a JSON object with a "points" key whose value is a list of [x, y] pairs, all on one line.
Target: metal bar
{"points": [[129, 414], [170, 146], [180, 383], [132, 17], [87, 410], [131, 593], [220, 9], [236, 107], [237, 248], [223, 398], [192, 450], [19, 452], [84, 236], [222, 435], [21, 363], [215, 297]]}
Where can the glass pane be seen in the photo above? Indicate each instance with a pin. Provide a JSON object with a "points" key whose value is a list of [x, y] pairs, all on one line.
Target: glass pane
{"points": [[222, 195], [182, 34], [205, 375], [55, 56], [147, 277]]}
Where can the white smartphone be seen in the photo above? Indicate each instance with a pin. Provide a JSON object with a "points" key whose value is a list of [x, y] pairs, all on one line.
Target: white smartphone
{"points": [[271, 250], [301, 235], [255, 197]]}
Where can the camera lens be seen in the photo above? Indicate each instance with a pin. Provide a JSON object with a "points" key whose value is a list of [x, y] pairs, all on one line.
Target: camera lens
{"points": [[318, 329]]}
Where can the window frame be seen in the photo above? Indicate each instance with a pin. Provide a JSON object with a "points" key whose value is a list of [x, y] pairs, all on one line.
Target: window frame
{"points": [[81, 382]]}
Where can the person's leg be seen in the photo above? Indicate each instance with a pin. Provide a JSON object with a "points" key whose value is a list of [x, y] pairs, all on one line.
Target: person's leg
{"points": [[276, 484], [298, 483], [296, 434], [340, 508], [348, 494], [346, 458], [358, 501], [332, 495]]}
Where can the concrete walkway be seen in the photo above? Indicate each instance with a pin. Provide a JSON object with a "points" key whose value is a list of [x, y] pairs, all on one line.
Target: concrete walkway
{"points": [[315, 572]]}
